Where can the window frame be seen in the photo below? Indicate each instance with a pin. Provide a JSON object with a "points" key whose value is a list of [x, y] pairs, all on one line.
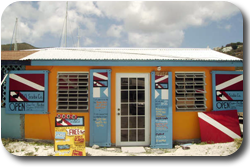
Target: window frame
{"points": [[88, 92], [194, 92]]}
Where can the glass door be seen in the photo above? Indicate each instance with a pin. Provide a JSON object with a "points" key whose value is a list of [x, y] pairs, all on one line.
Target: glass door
{"points": [[132, 109]]}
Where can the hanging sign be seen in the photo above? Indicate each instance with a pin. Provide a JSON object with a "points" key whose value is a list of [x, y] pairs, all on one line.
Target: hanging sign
{"points": [[69, 136]]}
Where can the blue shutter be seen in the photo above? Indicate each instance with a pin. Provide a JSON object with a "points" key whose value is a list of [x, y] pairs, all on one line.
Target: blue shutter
{"points": [[161, 111], [100, 108], [27, 92], [227, 89]]}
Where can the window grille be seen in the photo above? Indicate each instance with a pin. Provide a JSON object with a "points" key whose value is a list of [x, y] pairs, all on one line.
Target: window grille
{"points": [[190, 92], [72, 92]]}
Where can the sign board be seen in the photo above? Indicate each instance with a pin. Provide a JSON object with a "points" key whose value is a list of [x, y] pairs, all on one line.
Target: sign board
{"points": [[227, 90], [69, 137], [161, 123], [100, 108], [27, 92]]}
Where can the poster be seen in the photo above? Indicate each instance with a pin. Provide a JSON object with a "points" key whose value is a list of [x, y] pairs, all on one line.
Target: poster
{"points": [[70, 137]]}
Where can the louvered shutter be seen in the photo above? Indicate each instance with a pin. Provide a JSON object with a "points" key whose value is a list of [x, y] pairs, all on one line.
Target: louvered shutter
{"points": [[72, 92], [190, 91]]}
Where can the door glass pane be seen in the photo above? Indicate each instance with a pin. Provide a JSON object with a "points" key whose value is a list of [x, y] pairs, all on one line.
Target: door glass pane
{"points": [[132, 83], [141, 109], [124, 83], [132, 96], [141, 135], [124, 135], [132, 122], [124, 96], [132, 109], [141, 96], [141, 122], [124, 109], [141, 83], [132, 135], [124, 122]]}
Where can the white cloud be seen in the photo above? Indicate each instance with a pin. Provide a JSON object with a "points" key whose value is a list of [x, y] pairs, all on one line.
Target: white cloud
{"points": [[115, 31], [47, 18], [228, 27], [143, 23], [87, 42], [151, 24], [165, 39]]}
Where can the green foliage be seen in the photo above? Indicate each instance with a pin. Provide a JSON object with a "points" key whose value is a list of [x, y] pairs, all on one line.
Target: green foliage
{"points": [[234, 46], [20, 46]]}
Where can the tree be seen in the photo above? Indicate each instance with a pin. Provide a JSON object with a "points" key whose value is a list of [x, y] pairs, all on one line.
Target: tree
{"points": [[234, 46]]}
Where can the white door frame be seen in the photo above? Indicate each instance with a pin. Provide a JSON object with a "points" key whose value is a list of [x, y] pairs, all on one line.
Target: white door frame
{"points": [[147, 109]]}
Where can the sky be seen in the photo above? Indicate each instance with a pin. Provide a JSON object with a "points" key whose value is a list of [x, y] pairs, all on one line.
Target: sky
{"points": [[136, 24]]}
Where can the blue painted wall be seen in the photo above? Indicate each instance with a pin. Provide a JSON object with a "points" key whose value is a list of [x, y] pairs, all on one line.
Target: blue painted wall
{"points": [[12, 125]]}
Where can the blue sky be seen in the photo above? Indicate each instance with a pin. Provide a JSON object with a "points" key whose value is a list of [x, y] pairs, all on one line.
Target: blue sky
{"points": [[124, 24]]}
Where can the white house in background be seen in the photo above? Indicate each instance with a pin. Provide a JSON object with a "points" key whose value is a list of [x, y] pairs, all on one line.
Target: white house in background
{"points": [[227, 49]]}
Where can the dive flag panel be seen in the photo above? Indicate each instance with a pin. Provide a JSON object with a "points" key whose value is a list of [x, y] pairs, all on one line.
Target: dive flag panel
{"points": [[27, 92], [161, 110], [100, 119], [227, 90]]}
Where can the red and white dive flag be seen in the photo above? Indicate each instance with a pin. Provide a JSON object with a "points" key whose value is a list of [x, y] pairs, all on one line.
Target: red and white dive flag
{"points": [[219, 126]]}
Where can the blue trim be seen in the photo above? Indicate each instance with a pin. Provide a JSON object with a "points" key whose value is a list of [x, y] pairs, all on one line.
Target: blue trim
{"points": [[106, 143], [170, 63], [153, 113], [45, 111], [170, 108], [169, 137], [214, 89]]}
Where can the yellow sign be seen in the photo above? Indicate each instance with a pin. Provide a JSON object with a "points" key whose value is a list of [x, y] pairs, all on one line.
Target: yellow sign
{"points": [[70, 137]]}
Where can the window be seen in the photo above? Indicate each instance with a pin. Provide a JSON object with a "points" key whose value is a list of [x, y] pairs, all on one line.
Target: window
{"points": [[72, 92], [190, 92]]}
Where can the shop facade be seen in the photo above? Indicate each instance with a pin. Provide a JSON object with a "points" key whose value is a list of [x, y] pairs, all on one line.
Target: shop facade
{"points": [[142, 98]]}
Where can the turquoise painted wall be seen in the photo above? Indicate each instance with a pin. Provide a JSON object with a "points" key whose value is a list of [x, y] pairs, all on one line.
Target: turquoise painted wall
{"points": [[12, 126]]}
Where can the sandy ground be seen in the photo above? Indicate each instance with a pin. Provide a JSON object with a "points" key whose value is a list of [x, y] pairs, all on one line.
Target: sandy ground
{"points": [[31, 149]]}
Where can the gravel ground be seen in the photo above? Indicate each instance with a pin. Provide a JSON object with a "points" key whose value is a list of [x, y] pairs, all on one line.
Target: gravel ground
{"points": [[21, 148]]}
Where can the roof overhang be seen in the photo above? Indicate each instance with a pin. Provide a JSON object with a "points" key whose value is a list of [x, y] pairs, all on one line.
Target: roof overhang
{"points": [[169, 63]]}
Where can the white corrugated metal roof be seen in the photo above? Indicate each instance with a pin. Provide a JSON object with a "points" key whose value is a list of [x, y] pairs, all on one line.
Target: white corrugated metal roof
{"points": [[205, 54]]}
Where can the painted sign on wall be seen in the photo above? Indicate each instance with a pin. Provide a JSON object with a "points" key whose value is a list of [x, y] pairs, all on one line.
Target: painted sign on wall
{"points": [[27, 92], [228, 90], [161, 134], [100, 107], [69, 137]]}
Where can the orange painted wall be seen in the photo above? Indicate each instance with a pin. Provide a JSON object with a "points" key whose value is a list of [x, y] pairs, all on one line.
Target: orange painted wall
{"points": [[185, 124]]}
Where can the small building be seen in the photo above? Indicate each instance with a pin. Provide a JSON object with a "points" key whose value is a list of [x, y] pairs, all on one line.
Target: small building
{"points": [[128, 96], [227, 49]]}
